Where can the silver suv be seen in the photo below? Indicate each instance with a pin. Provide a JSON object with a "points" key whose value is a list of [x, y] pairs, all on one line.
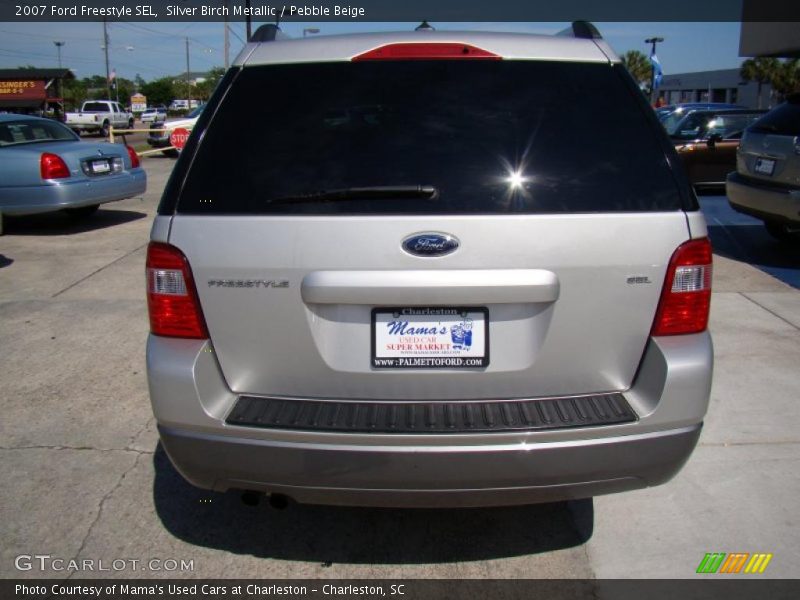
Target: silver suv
{"points": [[766, 183], [435, 269]]}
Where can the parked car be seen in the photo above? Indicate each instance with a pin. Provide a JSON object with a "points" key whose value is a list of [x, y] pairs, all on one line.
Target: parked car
{"points": [[766, 183], [98, 116], [672, 114], [160, 131], [45, 167], [156, 113], [376, 296], [706, 141]]}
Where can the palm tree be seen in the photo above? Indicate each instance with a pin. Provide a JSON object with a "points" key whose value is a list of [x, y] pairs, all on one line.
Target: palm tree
{"points": [[638, 66], [786, 79], [761, 70]]}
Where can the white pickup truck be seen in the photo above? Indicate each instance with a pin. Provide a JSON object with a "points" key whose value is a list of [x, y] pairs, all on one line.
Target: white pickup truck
{"points": [[97, 116]]}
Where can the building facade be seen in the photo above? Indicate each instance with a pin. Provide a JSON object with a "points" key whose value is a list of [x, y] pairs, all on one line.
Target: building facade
{"points": [[724, 85], [33, 91]]}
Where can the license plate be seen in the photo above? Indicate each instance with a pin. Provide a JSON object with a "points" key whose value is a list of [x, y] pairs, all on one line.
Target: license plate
{"points": [[430, 338], [765, 166], [100, 166]]}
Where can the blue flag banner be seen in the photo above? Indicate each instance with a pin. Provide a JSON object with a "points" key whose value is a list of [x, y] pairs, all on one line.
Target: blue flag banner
{"points": [[657, 73]]}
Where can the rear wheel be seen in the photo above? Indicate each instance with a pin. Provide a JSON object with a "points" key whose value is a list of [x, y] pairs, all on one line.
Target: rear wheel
{"points": [[82, 211], [105, 129], [782, 231], [130, 123]]}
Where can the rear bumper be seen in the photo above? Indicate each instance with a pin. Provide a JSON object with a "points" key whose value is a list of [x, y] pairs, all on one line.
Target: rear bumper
{"points": [[191, 403], [763, 201], [72, 193], [424, 476]]}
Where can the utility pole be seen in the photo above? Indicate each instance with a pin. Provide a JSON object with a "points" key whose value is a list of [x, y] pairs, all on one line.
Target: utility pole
{"points": [[58, 46], [188, 84], [105, 48], [653, 41]]}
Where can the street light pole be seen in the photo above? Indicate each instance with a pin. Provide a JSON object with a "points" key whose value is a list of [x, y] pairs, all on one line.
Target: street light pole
{"points": [[653, 41], [58, 46]]}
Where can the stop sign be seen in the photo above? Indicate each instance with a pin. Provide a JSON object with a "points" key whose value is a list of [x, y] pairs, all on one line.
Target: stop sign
{"points": [[179, 137]]}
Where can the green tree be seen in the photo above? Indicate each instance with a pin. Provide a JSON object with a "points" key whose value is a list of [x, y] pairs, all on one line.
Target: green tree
{"points": [[761, 70], [639, 67], [204, 89], [159, 91], [75, 93], [786, 79]]}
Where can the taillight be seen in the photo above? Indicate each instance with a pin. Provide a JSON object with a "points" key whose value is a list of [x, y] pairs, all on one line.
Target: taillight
{"points": [[686, 295], [426, 51], [52, 166], [134, 157], [171, 295]]}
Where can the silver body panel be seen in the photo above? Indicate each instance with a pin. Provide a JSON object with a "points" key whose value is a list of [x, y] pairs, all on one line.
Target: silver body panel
{"points": [[773, 197], [314, 341], [288, 303], [344, 47]]}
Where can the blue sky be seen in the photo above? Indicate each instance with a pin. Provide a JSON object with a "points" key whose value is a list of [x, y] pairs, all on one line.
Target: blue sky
{"points": [[157, 49]]}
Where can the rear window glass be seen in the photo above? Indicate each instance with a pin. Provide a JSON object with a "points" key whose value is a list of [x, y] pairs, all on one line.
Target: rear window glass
{"points": [[96, 107], [33, 131], [490, 137], [784, 119]]}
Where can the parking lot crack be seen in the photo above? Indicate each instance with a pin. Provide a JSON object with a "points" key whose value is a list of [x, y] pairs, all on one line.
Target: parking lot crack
{"points": [[134, 437], [96, 271], [772, 312], [78, 448], [100, 509]]}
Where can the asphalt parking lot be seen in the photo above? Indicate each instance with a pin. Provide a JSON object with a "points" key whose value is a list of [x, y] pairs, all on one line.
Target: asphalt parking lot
{"points": [[84, 476]]}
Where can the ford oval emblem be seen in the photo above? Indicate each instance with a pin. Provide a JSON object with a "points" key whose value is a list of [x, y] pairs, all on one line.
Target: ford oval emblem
{"points": [[430, 244]]}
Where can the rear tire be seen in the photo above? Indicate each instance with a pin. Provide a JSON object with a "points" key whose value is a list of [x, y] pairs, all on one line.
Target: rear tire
{"points": [[130, 123], [105, 129], [782, 232], [82, 211]]}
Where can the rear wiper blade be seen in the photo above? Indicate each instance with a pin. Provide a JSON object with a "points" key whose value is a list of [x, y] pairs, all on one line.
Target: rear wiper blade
{"points": [[353, 193]]}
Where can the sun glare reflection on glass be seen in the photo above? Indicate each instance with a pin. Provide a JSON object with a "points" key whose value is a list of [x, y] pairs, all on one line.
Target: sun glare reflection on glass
{"points": [[515, 180]]}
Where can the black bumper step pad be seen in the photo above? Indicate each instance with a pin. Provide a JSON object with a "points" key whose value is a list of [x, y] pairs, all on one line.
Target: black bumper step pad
{"points": [[430, 417]]}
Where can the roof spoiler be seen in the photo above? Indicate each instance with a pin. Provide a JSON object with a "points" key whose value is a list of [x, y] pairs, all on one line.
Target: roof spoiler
{"points": [[268, 33], [582, 29]]}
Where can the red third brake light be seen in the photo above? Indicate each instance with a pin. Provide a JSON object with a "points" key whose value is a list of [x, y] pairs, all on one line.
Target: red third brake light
{"points": [[171, 296], [52, 166], [686, 295], [426, 51], [134, 157]]}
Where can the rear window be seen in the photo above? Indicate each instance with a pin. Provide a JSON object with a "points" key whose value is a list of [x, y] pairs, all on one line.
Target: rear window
{"points": [[784, 119], [30, 131], [96, 107], [490, 137]]}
